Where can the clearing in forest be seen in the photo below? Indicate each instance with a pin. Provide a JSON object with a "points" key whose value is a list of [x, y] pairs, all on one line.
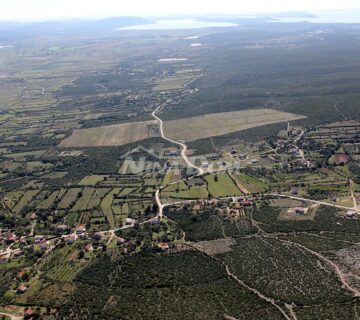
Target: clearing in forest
{"points": [[216, 124], [114, 135]]}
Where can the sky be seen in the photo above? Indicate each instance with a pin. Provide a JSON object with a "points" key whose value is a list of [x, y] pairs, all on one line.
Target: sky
{"points": [[30, 10]]}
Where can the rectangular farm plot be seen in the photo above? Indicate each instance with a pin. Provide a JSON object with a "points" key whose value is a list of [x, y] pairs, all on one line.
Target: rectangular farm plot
{"points": [[92, 180], [96, 198], [25, 200], [177, 81], [70, 197], [114, 135], [82, 202], [221, 185], [216, 124], [106, 204], [47, 203]]}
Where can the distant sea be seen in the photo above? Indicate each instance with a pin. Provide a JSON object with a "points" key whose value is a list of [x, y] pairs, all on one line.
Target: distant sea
{"points": [[340, 16], [179, 24]]}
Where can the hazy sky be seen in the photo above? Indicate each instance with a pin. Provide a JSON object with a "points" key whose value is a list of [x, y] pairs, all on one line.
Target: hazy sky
{"points": [[45, 9]]}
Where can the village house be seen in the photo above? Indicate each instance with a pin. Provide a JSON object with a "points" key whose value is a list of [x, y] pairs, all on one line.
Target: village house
{"points": [[186, 204], [89, 248], [21, 289], [294, 191], [164, 246], [81, 228], [62, 228], [237, 205], [154, 221], [39, 238], [43, 246], [213, 202], [28, 313], [21, 275], [4, 258], [247, 203], [120, 241], [97, 236], [70, 239], [233, 213], [10, 238], [33, 216]]}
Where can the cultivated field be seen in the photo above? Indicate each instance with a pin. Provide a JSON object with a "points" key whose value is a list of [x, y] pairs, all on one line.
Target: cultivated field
{"points": [[114, 135], [176, 81], [216, 124]]}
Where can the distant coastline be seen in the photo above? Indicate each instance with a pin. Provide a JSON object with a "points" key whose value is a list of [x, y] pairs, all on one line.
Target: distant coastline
{"points": [[179, 24]]}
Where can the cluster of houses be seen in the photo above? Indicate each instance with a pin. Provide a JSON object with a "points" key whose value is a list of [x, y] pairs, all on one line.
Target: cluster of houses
{"points": [[231, 206], [7, 236]]}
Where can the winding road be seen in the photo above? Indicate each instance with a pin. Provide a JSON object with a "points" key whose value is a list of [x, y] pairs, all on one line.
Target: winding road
{"points": [[184, 149], [183, 146], [339, 273], [201, 171], [11, 316]]}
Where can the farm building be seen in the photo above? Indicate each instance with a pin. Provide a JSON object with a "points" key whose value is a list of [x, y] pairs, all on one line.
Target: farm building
{"points": [[172, 152], [350, 214], [129, 221], [300, 210], [340, 158], [205, 165], [39, 238]]}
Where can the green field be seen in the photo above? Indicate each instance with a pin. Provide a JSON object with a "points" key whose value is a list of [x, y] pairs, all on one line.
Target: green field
{"points": [[25, 200], [224, 187], [252, 184], [106, 204], [69, 198], [92, 180]]}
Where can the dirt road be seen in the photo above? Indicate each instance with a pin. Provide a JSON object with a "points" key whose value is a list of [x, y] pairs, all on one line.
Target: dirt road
{"points": [[183, 146]]}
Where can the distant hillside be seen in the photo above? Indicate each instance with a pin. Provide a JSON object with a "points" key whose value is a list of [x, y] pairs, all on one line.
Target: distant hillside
{"points": [[14, 30]]}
